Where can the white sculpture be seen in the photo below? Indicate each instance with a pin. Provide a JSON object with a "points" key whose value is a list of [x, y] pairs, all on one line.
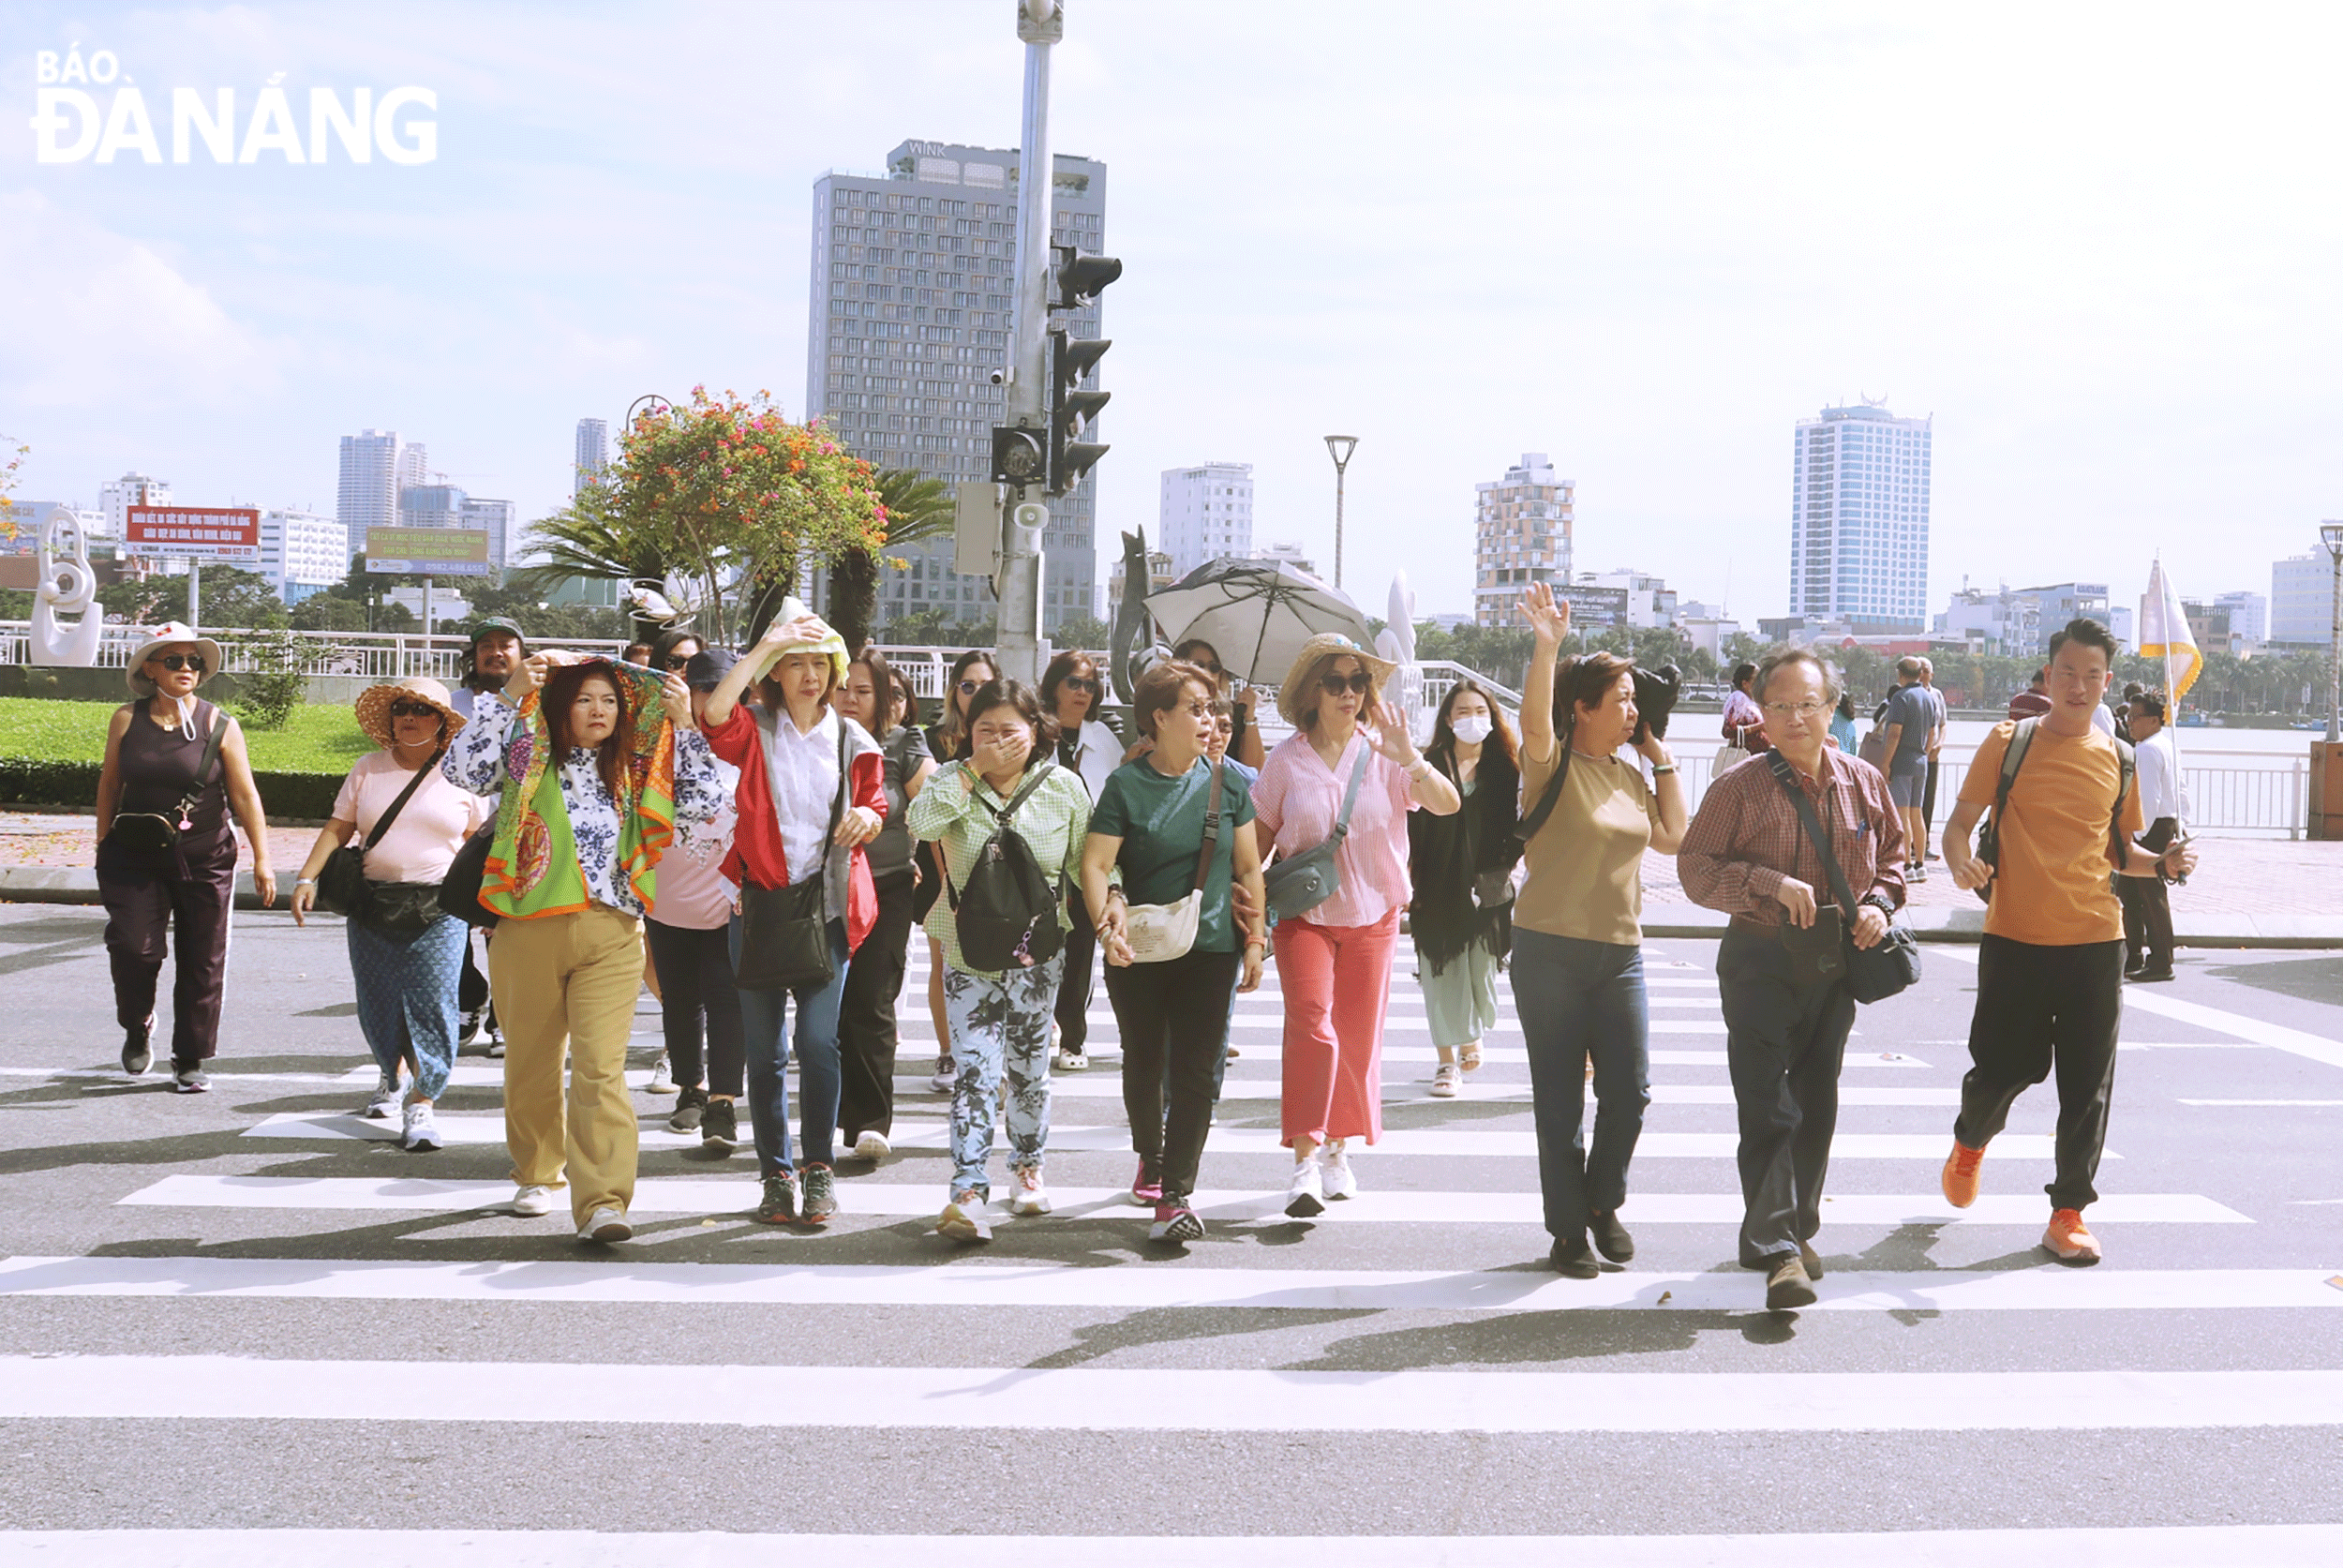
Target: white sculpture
{"points": [[67, 587], [1397, 642]]}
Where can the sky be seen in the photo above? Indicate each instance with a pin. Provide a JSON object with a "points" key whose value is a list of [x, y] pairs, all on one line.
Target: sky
{"points": [[2096, 243]]}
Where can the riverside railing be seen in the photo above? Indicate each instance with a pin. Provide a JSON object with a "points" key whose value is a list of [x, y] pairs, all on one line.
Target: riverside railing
{"points": [[383, 655]]}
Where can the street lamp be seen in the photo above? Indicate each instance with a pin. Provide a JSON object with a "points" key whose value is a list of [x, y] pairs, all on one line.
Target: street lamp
{"points": [[1338, 448], [2331, 535], [653, 400]]}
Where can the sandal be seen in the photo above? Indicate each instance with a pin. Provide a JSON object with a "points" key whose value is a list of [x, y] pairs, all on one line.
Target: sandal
{"points": [[1469, 1056], [1444, 1078]]}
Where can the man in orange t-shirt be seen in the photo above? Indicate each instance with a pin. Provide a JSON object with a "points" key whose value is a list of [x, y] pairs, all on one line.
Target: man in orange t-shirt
{"points": [[2050, 974]]}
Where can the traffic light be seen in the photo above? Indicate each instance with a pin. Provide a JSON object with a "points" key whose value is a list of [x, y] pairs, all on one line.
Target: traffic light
{"points": [[1072, 408], [1080, 277], [1020, 456]]}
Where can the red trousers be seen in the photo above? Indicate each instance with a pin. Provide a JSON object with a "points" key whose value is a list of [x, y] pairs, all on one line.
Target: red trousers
{"points": [[1336, 983]]}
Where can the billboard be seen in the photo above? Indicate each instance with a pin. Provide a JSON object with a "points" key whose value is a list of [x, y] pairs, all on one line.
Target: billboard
{"points": [[193, 532], [428, 552]]}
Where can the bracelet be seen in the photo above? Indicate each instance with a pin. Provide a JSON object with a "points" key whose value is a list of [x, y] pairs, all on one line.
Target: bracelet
{"points": [[307, 882], [1660, 767]]}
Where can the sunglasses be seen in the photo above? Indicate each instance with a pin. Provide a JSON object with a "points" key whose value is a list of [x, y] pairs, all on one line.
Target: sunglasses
{"points": [[1079, 683], [970, 688], [413, 710], [1357, 680], [183, 662], [1209, 669], [677, 661]]}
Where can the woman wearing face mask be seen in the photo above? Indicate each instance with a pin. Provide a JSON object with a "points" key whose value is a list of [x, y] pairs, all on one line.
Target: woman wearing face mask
{"points": [[1461, 868], [1577, 959], [971, 673], [1072, 690], [595, 762]]}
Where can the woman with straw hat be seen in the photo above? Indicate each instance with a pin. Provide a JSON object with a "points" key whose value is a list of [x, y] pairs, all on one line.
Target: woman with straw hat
{"points": [[166, 858], [1350, 773], [405, 953]]}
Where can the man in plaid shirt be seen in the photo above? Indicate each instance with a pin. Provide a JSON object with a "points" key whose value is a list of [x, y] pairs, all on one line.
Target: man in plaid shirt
{"points": [[1782, 969]]}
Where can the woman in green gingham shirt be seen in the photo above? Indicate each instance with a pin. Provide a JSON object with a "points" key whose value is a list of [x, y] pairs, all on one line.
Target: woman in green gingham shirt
{"points": [[1000, 1023]]}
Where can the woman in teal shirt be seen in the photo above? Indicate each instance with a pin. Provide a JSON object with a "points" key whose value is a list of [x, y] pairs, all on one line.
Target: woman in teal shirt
{"points": [[1151, 825]]}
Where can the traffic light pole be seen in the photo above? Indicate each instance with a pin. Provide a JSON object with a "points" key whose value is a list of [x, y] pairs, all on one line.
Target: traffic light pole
{"points": [[1040, 23]]}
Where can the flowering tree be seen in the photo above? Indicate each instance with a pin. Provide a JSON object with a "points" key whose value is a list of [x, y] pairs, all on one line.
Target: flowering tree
{"points": [[726, 495], [8, 465]]}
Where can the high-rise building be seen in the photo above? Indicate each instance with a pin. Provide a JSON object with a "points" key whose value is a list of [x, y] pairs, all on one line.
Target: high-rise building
{"points": [[116, 498], [2249, 613], [496, 517], [301, 552], [1521, 535], [431, 506], [1859, 520], [2302, 603], [593, 453], [914, 274], [1206, 512], [375, 466]]}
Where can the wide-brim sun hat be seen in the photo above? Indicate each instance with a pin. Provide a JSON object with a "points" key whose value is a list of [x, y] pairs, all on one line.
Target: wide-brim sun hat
{"points": [[373, 707], [163, 637], [1295, 698]]}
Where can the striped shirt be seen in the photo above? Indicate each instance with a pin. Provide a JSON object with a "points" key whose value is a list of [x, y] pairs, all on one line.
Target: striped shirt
{"points": [[1055, 822]]}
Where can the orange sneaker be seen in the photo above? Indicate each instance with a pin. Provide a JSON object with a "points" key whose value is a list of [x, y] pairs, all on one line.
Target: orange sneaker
{"points": [[1960, 1180], [2069, 1242]]}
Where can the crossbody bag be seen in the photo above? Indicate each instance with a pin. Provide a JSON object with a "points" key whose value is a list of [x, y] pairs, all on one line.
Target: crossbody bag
{"points": [[158, 832], [1158, 933], [1297, 884], [342, 886], [785, 934], [1889, 965]]}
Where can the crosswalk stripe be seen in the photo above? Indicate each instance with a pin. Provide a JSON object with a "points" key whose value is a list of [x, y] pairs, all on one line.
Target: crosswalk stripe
{"points": [[2043, 1288], [215, 1388], [909, 1200], [1074, 1086]]}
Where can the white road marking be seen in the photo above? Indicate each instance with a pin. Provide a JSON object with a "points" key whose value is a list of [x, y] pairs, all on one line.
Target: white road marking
{"points": [[2289, 1103], [1401, 1091], [218, 1388]]}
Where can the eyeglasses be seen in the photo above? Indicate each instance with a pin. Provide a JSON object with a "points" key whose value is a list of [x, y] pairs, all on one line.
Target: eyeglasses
{"points": [[413, 710], [1334, 685], [1079, 683], [970, 688], [183, 662], [1212, 669], [1801, 711]]}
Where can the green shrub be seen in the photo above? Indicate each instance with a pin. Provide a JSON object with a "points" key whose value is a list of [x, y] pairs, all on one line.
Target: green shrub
{"points": [[272, 692], [33, 781]]}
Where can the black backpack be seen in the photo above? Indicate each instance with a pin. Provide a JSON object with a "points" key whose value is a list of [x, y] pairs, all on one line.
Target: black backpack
{"points": [[1005, 908]]}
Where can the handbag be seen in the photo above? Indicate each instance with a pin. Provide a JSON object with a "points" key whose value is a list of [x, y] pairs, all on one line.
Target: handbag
{"points": [[459, 890], [342, 886], [158, 832], [1159, 932], [1889, 965], [1297, 884], [784, 936]]}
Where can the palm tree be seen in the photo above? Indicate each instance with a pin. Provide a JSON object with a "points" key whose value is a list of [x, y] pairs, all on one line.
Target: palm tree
{"points": [[917, 508], [583, 542]]}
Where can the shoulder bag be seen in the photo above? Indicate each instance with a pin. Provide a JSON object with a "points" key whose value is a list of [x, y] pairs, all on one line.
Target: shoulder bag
{"points": [[1297, 884], [1159, 932], [784, 936], [158, 832], [342, 885], [1890, 964]]}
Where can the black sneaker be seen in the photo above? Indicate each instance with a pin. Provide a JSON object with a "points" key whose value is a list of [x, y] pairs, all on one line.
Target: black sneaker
{"points": [[2152, 974], [137, 1048], [779, 1206], [688, 1106], [190, 1078], [821, 1196], [720, 1130], [1572, 1257], [1611, 1238]]}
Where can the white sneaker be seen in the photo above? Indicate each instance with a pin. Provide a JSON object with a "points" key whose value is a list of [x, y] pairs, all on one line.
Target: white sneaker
{"points": [[872, 1146], [419, 1130], [496, 1045], [531, 1202], [1445, 1079], [604, 1225], [1307, 1195], [963, 1219], [383, 1102], [1072, 1061], [662, 1078], [1335, 1174], [942, 1082], [1030, 1197]]}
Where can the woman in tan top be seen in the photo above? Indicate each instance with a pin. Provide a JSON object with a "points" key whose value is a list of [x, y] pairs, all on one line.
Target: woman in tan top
{"points": [[1577, 934]]}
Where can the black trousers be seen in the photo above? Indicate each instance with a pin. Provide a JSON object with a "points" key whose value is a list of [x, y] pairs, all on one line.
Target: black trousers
{"points": [[1174, 1018], [153, 902], [700, 1006], [866, 1015], [1074, 990], [2148, 906], [2039, 1010], [1785, 1040], [1928, 798]]}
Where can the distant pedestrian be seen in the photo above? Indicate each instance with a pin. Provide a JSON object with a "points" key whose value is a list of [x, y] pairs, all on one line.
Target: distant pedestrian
{"points": [[405, 951], [1782, 966], [1244, 700], [1073, 687], [2049, 969], [2035, 699], [1460, 867], [1911, 721], [1843, 723], [174, 767], [638, 654], [1935, 748], [2164, 801], [1577, 934], [495, 650], [1744, 725]]}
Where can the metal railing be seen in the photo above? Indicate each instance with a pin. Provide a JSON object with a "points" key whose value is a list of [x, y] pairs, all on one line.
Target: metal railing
{"points": [[383, 655]]}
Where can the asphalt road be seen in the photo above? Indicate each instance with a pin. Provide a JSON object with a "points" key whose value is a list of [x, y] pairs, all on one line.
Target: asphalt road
{"points": [[354, 1343]]}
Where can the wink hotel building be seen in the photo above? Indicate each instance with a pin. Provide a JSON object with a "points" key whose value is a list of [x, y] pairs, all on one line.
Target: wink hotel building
{"points": [[913, 276], [1859, 521]]}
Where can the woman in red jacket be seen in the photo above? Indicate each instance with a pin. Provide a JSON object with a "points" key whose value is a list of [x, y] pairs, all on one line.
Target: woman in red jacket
{"points": [[810, 797]]}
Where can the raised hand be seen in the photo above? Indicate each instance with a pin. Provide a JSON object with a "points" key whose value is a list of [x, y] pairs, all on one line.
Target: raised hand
{"points": [[1549, 618], [1391, 735], [675, 697]]}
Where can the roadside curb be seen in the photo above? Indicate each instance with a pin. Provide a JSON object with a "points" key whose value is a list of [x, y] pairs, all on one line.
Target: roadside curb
{"points": [[76, 884]]}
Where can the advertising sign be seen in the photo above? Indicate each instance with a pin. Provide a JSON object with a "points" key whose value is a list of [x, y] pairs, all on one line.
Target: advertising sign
{"points": [[428, 552], [230, 533]]}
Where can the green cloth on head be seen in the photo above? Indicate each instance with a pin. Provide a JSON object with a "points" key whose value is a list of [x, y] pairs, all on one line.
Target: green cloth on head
{"points": [[832, 643]]}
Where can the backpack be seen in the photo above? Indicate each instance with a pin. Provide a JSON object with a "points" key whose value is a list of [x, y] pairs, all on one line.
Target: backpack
{"points": [[1005, 908], [1989, 836]]}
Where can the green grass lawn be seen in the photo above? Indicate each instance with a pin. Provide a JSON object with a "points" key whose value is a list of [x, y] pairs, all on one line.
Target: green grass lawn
{"points": [[317, 740]]}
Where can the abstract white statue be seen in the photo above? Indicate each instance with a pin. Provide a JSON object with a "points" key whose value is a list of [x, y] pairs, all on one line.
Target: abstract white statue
{"points": [[67, 587], [1397, 642]]}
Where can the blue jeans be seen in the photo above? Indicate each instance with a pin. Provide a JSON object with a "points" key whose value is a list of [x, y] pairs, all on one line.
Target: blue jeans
{"points": [[406, 990], [1580, 999], [766, 1046]]}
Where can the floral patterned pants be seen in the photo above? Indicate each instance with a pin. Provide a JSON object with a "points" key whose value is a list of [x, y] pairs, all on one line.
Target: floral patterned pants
{"points": [[1000, 1027]]}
